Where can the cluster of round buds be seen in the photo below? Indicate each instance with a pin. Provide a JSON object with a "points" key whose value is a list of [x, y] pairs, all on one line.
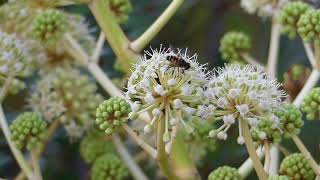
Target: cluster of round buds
{"points": [[311, 104], [49, 26], [290, 119], [15, 59], [267, 129], [28, 130], [290, 16], [296, 167], [233, 44], [265, 8], [111, 114], [108, 166], [309, 26], [170, 86], [242, 93], [277, 177], [93, 146], [225, 172], [55, 98], [120, 9]]}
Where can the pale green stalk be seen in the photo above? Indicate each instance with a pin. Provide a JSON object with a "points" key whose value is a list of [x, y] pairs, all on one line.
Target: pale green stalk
{"points": [[140, 43]]}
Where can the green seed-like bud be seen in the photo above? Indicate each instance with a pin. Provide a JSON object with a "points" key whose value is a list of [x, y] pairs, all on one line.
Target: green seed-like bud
{"points": [[49, 26], [290, 16], [296, 167], [111, 114], [277, 177], [232, 44], [311, 104], [309, 26], [267, 129], [291, 120], [93, 146], [108, 166], [225, 172], [28, 130], [120, 9]]}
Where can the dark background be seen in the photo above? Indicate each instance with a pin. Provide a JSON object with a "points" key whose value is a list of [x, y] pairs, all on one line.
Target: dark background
{"points": [[198, 25]]}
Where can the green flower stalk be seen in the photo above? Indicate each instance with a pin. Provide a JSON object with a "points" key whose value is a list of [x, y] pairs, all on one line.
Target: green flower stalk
{"points": [[111, 114], [93, 146], [290, 120], [309, 26], [233, 44], [296, 167], [28, 130], [56, 97], [225, 173], [290, 16], [120, 9], [310, 104], [277, 177], [108, 167], [49, 26]]}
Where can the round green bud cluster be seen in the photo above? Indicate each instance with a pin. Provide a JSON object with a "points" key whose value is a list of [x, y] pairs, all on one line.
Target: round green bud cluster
{"points": [[93, 146], [120, 9], [311, 104], [49, 26], [291, 120], [267, 129], [277, 177], [108, 167], [225, 173], [28, 130], [309, 26], [232, 44], [296, 167], [290, 16], [111, 114]]}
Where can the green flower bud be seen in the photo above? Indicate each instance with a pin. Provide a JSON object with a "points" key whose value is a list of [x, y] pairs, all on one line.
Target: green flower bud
{"points": [[296, 167], [232, 44], [28, 130], [267, 129], [290, 119], [290, 16], [120, 9], [224, 173], [49, 26], [111, 114], [277, 177], [311, 104], [309, 26], [93, 146], [108, 167]]}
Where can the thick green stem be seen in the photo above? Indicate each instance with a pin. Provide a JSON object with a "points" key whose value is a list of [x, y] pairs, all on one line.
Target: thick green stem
{"points": [[163, 159], [252, 151], [155, 28], [307, 154], [183, 165], [113, 32]]}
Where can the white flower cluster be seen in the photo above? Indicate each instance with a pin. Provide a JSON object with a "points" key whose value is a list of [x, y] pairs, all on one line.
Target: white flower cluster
{"points": [[242, 93], [169, 85], [264, 8]]}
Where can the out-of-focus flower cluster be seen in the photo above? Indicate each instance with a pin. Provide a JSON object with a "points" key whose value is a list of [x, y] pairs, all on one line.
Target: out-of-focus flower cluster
{"points": [[263, 8]]}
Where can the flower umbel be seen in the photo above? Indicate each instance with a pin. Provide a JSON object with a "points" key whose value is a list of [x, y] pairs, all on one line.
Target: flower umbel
{"points": [[242, 93], [169, 85]]}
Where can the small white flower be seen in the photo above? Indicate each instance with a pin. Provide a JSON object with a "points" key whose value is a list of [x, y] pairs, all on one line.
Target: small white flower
{"points": [[7, 56], [240, 140], [252, 95], [222, 135], [229, 119], [212, 133], [149, 98], [159, 90], [221, 102], [172, 82], [233, 93], [147, 129], [186, 90], [4, 69], [136, 106], [253, 122], [156, 112], [177, 104], [18, 66], [262, 135], [173, 121], [189, 110], [243, 109], [132, 90]]}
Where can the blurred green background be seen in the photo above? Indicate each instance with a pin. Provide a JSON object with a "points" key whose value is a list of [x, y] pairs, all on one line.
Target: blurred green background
{"points": [[198, 25]]}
